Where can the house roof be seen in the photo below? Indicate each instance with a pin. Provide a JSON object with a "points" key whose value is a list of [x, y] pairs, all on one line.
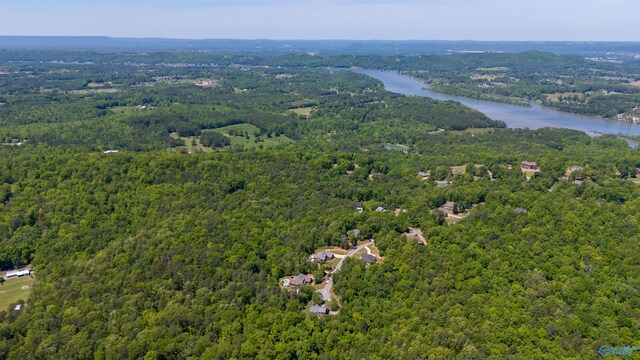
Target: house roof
{"points": [[369, 259], [356, 232], [520, 210], [300, 279], [18, 272], [449, 204], [322, 256], [380, 209], [529, 163], [319, 309]]}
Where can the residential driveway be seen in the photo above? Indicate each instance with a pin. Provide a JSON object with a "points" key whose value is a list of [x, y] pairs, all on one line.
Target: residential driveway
{"points": [[351, 253], [326, 290]]}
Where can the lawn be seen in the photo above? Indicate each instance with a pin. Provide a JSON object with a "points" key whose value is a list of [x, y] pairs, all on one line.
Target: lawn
{"points": [[255, 140], [261, 141], [11, 291], [304, 111], [331, 263], [191, 144], [127, 110]]}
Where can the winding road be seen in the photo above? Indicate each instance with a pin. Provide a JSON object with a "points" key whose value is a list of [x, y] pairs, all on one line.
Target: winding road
{"points": [[326, 290]]}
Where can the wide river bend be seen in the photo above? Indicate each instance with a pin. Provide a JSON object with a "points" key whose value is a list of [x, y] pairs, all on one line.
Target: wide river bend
{"points": [[533, 117]]}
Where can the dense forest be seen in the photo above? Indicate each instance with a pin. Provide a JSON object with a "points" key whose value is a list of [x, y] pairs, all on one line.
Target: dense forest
{"points": [[228, 176]]}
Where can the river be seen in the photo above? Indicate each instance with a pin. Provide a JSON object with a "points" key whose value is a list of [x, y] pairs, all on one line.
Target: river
{"points": [[533, 117]]}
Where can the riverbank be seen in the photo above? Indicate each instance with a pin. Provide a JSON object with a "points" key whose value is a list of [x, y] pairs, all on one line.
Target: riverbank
{"points": [[532, 117]]}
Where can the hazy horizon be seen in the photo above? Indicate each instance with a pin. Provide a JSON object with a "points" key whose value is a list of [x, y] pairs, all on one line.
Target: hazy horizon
{"points": [[453, 20], [318, 39]]}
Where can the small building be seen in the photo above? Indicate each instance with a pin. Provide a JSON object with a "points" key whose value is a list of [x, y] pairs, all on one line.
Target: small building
{"points": [[529, 165], [423, 175], [17, 273], [359, 207], [297, 281], [319, 309], [356, 233], [380, 209], [15, 141], [520, 210], [369, 259], [322, 256], [18, 307], [110, 151], [448, 207]]}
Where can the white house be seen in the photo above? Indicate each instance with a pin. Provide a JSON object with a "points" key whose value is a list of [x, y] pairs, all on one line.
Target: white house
{"points": [[17, 273]]}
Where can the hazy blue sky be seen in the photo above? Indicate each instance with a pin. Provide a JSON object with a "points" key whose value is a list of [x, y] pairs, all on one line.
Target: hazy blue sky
{"points": [[328, 19]]}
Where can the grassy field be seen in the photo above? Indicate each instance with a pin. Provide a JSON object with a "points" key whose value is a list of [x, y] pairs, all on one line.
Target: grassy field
{"points": [[250, 143], [93, 90], [12, 291], [304, 111], [192, 144], [128, 110], [396, 147]]}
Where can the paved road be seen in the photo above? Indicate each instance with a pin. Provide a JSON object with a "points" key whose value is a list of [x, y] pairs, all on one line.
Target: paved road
{"points": [[326, 290]]}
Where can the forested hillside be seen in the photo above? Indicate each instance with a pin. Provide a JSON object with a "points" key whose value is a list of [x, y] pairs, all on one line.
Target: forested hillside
{"points": [[226, 179]]}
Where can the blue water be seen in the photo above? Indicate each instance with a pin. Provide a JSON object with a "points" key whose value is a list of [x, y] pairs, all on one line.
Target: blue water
{"points": [[514, 116]]}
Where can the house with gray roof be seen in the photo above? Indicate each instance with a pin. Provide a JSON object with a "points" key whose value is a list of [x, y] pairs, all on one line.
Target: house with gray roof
{"points": [[368, 259], [319, 309], [322, 256], [300, 280]]}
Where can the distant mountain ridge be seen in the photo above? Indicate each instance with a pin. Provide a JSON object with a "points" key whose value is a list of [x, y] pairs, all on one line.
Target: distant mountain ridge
{"points": [[319, 47]]}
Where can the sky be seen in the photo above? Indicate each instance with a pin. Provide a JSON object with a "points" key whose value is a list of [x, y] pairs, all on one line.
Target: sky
{"points": [[535, 20]]}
